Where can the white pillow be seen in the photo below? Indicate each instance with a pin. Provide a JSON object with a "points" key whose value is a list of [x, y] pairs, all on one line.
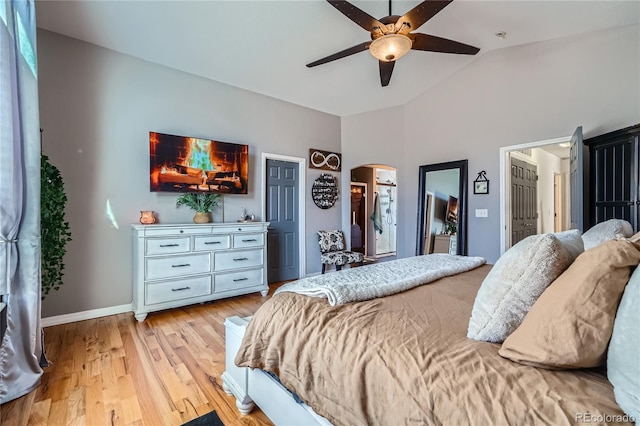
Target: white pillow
{"points": [[605, 231], [623, 359], [572, 242], [517, 280]]}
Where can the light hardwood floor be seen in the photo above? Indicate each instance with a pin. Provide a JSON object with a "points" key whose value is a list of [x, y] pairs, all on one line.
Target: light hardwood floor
{"points": [[117, 371]]}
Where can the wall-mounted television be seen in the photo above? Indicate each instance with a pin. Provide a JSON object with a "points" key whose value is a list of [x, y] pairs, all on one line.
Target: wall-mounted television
{"points": [[452, 210], [187, 164]]}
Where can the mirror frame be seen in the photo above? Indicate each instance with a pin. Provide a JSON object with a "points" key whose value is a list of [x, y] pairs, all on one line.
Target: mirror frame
{"points": [[462, 166]]}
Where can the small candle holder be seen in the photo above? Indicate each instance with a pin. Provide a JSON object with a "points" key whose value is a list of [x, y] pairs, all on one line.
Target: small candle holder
{"points": [[147, 217]]}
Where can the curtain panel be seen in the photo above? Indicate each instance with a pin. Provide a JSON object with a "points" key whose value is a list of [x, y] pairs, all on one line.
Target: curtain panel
{"points": [[21, 346]]}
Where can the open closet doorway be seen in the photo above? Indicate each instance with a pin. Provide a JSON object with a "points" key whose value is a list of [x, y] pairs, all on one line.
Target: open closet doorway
{"points": [[374, 211], [535, 189]]}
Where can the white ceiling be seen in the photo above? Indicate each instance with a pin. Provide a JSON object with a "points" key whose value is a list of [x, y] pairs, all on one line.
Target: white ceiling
{"points": [[263, 45], [557, 150]]}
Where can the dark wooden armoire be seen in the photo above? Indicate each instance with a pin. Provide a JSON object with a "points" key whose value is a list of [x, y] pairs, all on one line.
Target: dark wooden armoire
{"points": [[614, 165]]}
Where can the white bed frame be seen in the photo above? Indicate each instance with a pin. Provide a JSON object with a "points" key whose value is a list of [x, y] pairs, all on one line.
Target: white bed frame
{"points": [[253, 387]]}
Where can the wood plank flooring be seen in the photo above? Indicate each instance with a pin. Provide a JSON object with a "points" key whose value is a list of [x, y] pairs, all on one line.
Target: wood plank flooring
{"points": [[117, 371]]}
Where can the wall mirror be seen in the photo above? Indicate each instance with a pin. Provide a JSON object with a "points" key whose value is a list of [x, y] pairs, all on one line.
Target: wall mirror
{"points": [[442, 208]]}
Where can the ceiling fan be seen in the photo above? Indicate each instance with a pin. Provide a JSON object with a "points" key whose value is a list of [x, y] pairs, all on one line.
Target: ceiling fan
{"points": [[391, 36]]}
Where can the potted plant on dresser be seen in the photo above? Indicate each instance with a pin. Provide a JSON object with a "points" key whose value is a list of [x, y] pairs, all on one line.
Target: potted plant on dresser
{"points": [[202, 203]]}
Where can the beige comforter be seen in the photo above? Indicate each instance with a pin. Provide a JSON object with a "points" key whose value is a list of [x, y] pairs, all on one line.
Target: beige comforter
{"points": [[405, 360]]}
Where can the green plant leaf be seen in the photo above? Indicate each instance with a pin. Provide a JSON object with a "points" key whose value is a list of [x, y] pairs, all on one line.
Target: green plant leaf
{"points": [[202, 202], [54, 230]]}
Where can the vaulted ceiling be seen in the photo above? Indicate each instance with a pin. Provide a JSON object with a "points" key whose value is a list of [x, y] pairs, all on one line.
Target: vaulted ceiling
{"points": [[263, 45]]}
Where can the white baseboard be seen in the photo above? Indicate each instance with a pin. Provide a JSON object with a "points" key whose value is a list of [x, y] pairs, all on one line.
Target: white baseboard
{"points": [[85, 315]]}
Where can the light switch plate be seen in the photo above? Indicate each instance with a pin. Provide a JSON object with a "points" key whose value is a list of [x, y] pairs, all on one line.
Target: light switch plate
{"points": [[482, 213]]}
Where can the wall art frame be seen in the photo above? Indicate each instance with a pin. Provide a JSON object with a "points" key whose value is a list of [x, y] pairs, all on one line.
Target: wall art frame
{"points": [[325, 160], [481, 184], [324, 191]]}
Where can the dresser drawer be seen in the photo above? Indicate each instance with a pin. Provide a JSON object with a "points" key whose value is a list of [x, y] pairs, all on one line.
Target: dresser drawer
{"points": [[240, 227], [175, 266], [161, 230], [248, 240], [211, 242], [175, 290], [235, 280], [167, 245], [225, 261]]}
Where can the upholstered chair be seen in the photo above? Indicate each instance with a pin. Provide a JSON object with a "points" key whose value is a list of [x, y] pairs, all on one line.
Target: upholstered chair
{"points": [[332, 249]]}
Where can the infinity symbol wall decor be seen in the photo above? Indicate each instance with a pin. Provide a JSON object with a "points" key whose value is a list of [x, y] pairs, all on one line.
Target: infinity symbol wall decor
{"points": [[324, 160]]}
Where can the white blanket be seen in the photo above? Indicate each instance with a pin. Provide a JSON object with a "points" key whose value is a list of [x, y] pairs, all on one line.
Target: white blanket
{"points": [[381, 279]]}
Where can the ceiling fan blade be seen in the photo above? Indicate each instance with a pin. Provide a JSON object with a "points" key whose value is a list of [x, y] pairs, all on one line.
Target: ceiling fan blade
{"points": [[358, 16], [386, 69], [438, 44], [343, 53], [420, 14]]}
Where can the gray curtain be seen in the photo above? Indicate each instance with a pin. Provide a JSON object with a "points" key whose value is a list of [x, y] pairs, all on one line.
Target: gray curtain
{"points": [[21, 346]]}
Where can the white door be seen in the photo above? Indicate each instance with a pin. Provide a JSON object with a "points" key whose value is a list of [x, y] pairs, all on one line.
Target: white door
{"points": [[576, 180]]}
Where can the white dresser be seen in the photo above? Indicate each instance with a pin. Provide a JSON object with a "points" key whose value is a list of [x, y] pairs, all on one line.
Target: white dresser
{"points": [[181, 264]]}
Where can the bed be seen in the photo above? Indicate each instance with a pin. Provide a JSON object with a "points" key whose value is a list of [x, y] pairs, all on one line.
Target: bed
{"points": [[400, 359]]}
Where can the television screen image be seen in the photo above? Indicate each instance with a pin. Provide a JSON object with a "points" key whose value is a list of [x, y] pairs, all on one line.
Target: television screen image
{"points": [[452, 210], [186, 164]]}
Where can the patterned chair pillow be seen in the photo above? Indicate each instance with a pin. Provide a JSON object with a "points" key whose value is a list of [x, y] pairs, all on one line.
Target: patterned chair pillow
{"points": [[341, 258], [331, 240]]}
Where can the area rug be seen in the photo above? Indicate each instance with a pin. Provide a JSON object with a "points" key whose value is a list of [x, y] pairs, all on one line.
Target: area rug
{"points": [[209, 419]]}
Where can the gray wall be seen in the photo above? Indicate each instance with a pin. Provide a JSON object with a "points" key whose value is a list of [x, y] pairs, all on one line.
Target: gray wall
{"points": [[97, 107], [505, 97]]}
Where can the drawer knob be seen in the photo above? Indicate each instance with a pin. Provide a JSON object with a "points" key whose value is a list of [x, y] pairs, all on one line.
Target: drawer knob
{"points": [[238, 259], [169, 245], [181, 288], [249, 240], [240, 279], [212, 242], [181, 265]]}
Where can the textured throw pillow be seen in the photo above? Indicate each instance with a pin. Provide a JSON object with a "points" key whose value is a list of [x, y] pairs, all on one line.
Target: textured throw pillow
{"points": [[605, 231], [516, 281], [570, 325], [623, 360], [571, 241]]}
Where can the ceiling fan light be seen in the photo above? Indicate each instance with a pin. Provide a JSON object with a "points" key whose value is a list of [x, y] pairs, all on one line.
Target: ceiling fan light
{"points": [[390, 47]]}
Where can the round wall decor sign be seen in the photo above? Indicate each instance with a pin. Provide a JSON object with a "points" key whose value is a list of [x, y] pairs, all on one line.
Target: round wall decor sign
{"points": [[325, 191]]}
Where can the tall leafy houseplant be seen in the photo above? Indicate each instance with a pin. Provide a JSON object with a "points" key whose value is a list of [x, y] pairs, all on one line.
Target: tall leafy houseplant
{"points": [[54, 229], [202, 203]]}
